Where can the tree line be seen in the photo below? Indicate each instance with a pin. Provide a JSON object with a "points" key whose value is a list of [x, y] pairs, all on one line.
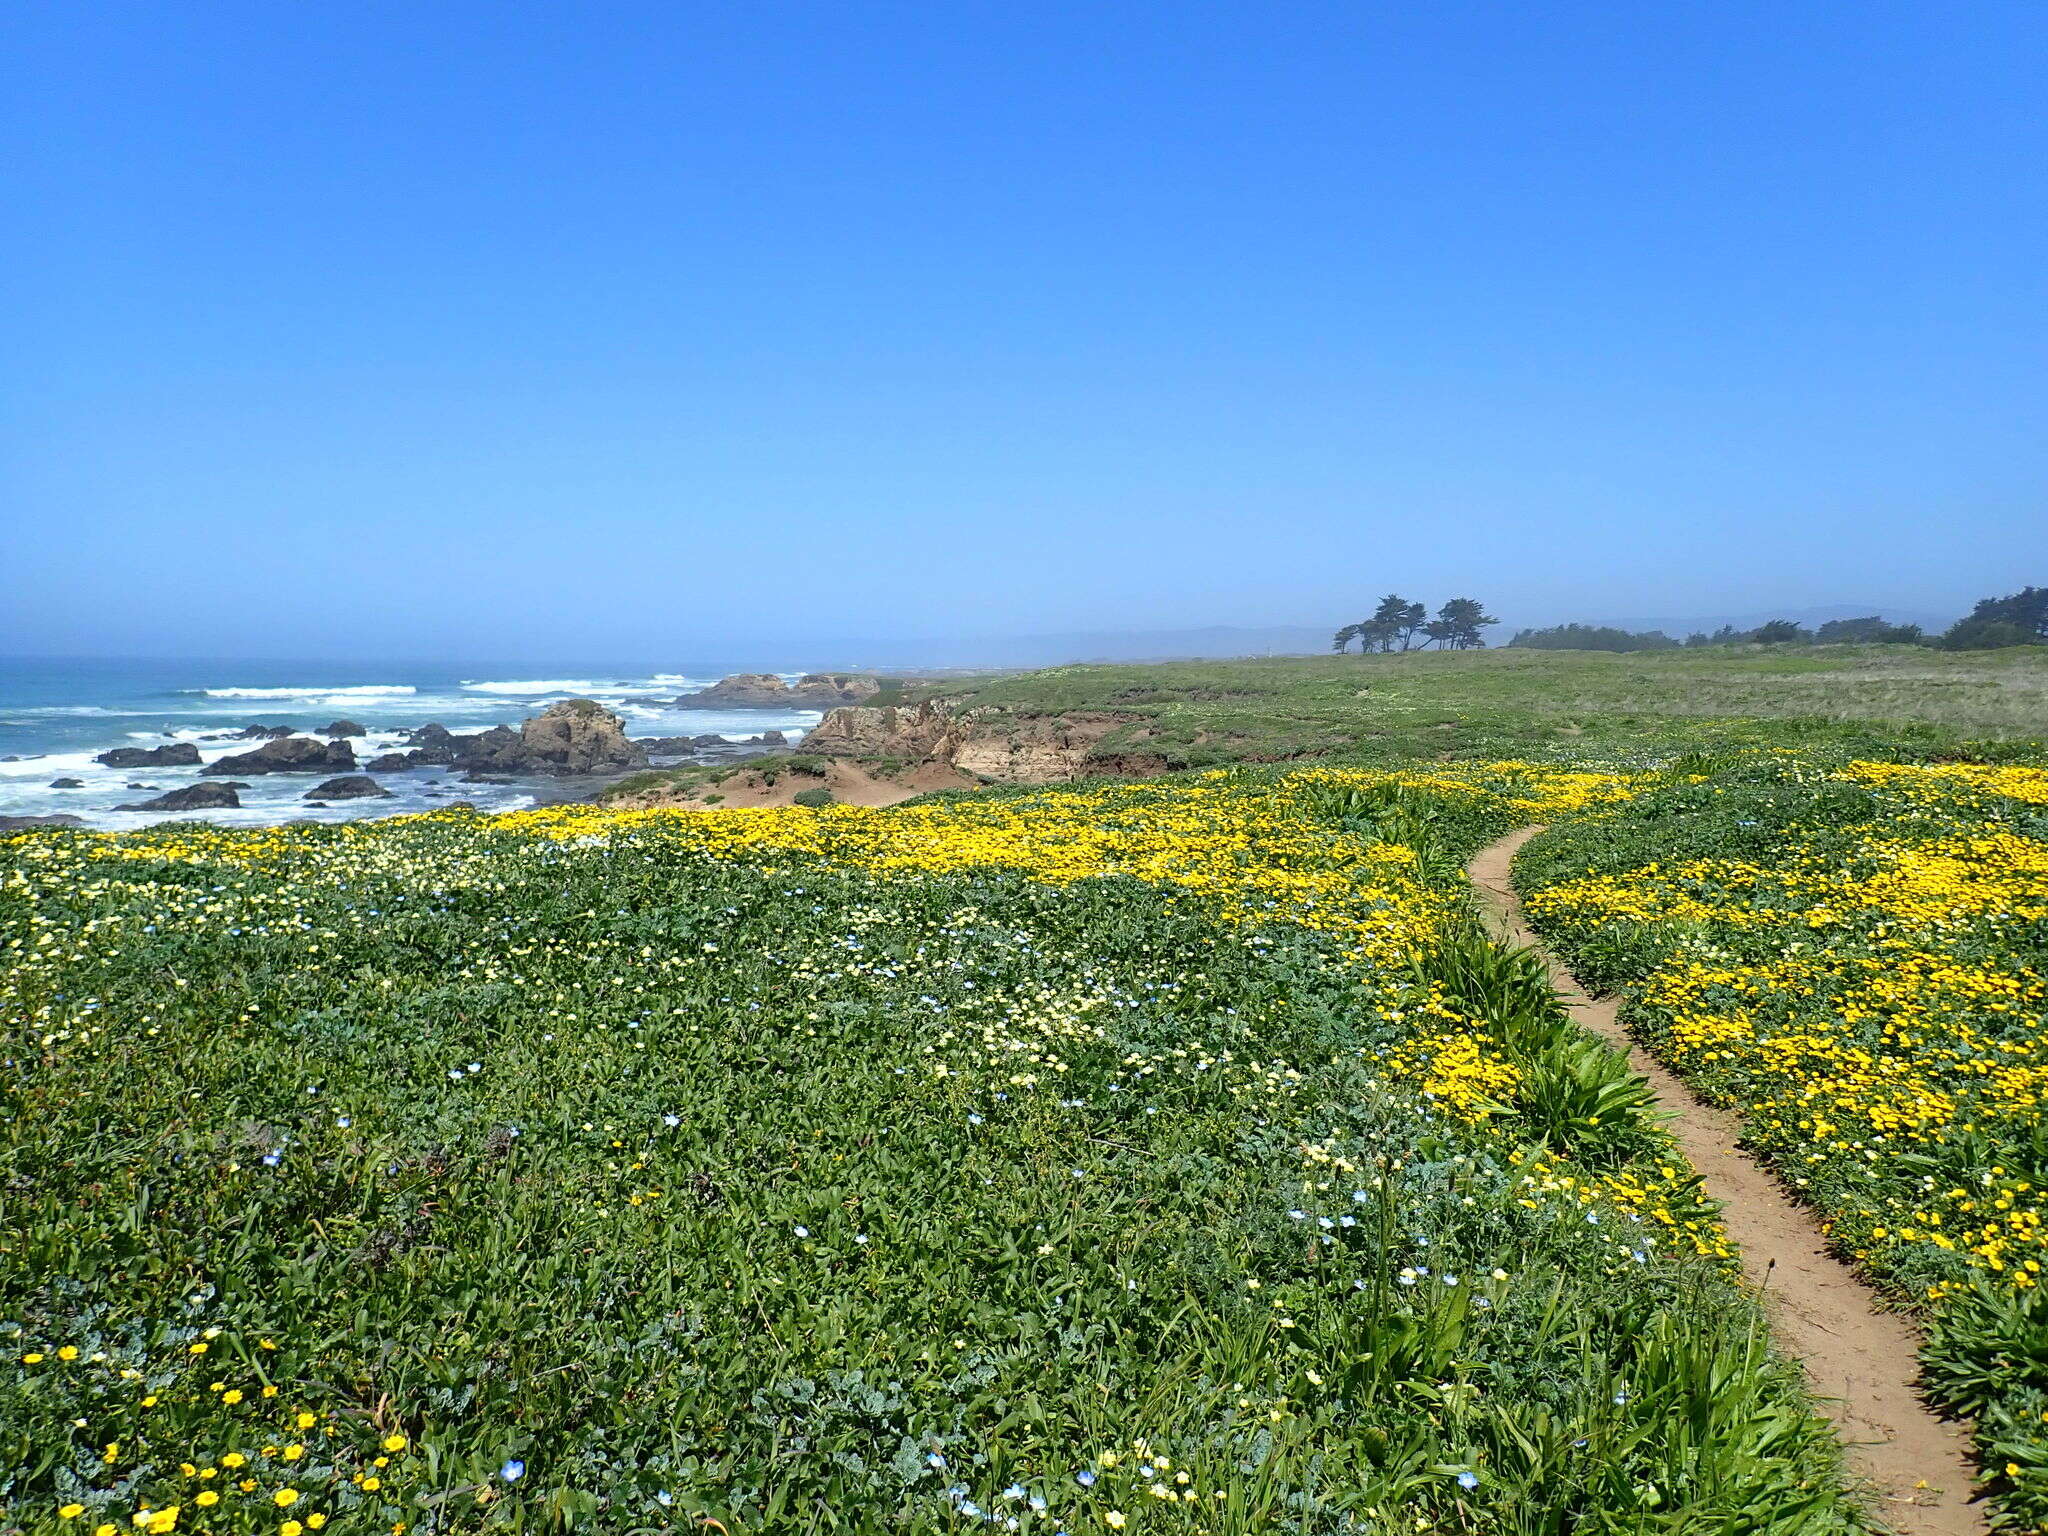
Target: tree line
{"points": [[1400, 625], [2019, 618]]}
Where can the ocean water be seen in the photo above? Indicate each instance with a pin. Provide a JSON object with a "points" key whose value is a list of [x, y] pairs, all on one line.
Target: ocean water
{"points": [[56, 715]]}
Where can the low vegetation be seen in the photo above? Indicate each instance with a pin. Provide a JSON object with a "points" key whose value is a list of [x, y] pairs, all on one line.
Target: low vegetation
{"points": [[1468, 705], [1167, 1156], [1852, 957]]}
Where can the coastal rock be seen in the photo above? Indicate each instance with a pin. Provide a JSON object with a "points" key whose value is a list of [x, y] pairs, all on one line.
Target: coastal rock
{"points": [[432, 734], [343, 728], [350, 786], [772, 739], [67, 783], [288, 754], [179, 754], [391, 762], [764, 690], [260, 733], [193, 797], [23, 823], [988, 744], [569, 737], [666, 746]]}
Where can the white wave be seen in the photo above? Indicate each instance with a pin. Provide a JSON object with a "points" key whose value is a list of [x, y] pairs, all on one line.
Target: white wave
{"points": [[77, 709], [543, 685], [360, 691], [589, 687], [57, 764]]}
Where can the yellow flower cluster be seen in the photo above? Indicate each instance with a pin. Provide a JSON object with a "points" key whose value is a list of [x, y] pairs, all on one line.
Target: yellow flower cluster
{"points": [[1866, 996]]}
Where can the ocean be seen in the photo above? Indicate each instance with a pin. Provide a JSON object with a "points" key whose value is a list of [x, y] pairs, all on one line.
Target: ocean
{"points": [[56, 715]]}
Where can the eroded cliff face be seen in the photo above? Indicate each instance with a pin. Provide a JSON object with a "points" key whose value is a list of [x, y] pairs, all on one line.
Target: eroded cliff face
{"points": [[918, 732], [987, 744]]}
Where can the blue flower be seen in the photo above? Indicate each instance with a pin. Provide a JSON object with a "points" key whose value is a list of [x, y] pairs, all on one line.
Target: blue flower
{"points": [[1085, 1478], [513, 1470], [1468, 1479]]}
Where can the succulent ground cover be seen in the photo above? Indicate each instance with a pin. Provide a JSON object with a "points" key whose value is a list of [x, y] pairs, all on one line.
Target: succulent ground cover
{"points": [[1168, 1157], [1855, 956]]}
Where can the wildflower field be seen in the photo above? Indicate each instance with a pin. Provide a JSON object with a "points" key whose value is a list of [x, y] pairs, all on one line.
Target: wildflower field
{"points": [[1855, 956], [1150, 1157]]}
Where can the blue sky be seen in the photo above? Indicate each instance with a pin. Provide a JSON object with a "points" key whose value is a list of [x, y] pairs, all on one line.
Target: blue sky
{"points": [[621, 329]]}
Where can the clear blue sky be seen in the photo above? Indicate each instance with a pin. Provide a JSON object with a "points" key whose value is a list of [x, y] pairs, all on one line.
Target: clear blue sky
{"points": [[621, 329]]}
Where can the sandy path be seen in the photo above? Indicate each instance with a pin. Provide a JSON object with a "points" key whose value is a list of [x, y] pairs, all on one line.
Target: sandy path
{"points": [[1861, 1361]]}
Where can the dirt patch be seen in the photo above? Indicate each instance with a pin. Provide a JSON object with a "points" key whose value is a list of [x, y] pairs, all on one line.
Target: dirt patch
{"points": [[1861, 1361], [848, 782]]}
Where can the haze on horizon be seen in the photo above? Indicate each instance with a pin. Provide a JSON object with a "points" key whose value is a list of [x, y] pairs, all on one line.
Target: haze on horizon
{"points": [[645, 330]]}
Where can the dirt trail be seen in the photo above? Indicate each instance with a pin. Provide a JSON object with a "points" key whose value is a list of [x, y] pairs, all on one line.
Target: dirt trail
{"points": [[1861, 1361]]}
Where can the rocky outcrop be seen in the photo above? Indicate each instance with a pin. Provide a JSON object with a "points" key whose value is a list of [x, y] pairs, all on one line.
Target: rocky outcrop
{"points": [[569, 737], [988, 744], [351, 786], [260, 733], [343, 728], [193, 797], [67, 783], [392, 762], [179, 754], [917, 731], [764, 690], [23, 823], [288, 754], [432, 734]]}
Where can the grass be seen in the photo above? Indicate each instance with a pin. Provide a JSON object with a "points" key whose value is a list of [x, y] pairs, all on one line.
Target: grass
{"points": [[1153, 1157], [1431, 705]]}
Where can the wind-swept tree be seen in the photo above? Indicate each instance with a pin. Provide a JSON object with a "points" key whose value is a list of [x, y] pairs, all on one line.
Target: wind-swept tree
{"points": [[1395, 623], [1398, 625], [1458, 624], [2019, 619], [1779, 632]]}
